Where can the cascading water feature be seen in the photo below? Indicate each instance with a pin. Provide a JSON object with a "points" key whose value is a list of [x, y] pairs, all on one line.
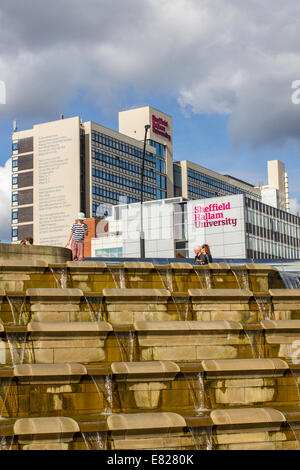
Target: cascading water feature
{"points": [[255, 340], [61, 282], [290, 280], [264, 307], [121, 282], [16, 304], [181, 307], [6, 442], [197, 390], [126, 344], [122, 278], [202, 437], [106, 391], [207, 278], [199, 278], [95, 307], [17, 345], [95, 440], [241, 277]]}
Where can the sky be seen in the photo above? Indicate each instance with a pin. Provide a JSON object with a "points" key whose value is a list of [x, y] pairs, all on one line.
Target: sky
{"points": [[223, 69]]}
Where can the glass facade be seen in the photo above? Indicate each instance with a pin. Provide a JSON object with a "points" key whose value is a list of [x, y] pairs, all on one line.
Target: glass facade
{"points": [[109, 252], [202, 185], [117, 169], [271, 233]]}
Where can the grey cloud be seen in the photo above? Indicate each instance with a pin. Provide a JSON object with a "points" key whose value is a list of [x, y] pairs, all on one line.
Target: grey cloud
{"points": [[217, 56]]}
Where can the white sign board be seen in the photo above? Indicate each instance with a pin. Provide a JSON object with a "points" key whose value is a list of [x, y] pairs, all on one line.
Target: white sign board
{"points": [[220, 223]]}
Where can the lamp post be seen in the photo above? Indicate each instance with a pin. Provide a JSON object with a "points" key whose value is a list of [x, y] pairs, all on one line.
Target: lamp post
{"points": [[142, 235]]}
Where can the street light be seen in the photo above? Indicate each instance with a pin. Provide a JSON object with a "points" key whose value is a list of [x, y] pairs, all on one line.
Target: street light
{"points": [[142, 236]]}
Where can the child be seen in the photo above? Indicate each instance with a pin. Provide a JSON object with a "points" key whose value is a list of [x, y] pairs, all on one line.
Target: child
{"points": [[78, 232]]}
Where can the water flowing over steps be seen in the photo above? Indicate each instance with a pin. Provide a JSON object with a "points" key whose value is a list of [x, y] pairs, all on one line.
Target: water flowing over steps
{"points": [[137, 356]]}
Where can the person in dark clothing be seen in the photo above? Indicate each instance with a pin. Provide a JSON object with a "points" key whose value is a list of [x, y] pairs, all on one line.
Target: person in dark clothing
{"points": [[207, 253], [203, 255]]}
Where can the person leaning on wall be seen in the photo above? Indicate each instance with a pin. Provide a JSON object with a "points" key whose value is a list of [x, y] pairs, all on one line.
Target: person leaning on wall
{"points": [[28, 241]]}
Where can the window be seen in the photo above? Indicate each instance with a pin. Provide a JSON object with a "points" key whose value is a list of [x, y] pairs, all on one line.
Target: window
{"points": [[15, 145], [14, 215], [15, 180], [15, 162], [14, 233]]}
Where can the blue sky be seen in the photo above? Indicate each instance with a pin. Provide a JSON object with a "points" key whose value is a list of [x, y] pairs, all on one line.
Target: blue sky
{"points": [[223, 69]]}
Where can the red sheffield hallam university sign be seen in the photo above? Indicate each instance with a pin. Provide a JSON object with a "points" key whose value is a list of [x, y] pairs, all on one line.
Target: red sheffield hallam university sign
{"points": [[213, 215], [159, 127]]}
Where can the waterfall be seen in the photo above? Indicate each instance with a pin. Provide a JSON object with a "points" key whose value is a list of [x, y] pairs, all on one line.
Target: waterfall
{"points": [[96, 310], [17, 344], [16, 304], [241, 278], [197, 390], [290, 280], [95, 440], [255, 340], [106, 390], [202, 437], [126, 345], [61, 282], [264, 307]]}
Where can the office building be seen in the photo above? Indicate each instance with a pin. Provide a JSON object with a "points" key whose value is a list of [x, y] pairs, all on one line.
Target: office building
{"points": [[65, 166]]}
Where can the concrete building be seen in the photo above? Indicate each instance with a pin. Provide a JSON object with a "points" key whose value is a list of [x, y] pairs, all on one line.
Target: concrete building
{"points": [[234, 226], [62, 167]]}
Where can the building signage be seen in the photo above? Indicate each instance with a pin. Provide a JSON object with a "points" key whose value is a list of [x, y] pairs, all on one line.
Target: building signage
{"points": [[159, 126], [213, 215]]}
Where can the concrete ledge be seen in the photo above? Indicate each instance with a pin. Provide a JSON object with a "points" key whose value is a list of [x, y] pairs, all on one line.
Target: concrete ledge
{"points": [[181, 266], [285, 294], [135, 294], [222, 365], [134, 266], [39, 426], [145, 368], [247, 416], [54, 294], [61, 327], [48, 254], [86, 265], [216, 294], [280, 324], [259, 267], [45, 370], [219, 266], [139, 421], [187, 326], [21, 265]]}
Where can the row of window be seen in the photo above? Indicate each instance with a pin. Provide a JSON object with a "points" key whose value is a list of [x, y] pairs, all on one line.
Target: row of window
{"points": [[271, 235], [195, 191], [111, 196], [115, 162], [273, 223], [160, 148], [271, 249], [122, 181], [272, 211], [121, 148], [201, 178]]}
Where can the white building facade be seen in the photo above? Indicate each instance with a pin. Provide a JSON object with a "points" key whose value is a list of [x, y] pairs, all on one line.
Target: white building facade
{"points": [[234, 226]]}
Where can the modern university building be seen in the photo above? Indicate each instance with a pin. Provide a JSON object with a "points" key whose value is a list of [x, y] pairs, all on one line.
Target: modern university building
{"points": [[62, 167]]}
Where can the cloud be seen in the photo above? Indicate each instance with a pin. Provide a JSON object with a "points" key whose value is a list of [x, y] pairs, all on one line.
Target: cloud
{"points": [[5, 202], [233, 58], [294, 206]]}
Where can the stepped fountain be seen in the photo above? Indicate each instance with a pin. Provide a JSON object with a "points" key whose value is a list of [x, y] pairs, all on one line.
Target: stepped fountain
{"points": [[139, 356]]}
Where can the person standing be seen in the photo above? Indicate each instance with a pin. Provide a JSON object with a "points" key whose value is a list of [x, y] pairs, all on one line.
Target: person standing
{"points": [[78, 232]]}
